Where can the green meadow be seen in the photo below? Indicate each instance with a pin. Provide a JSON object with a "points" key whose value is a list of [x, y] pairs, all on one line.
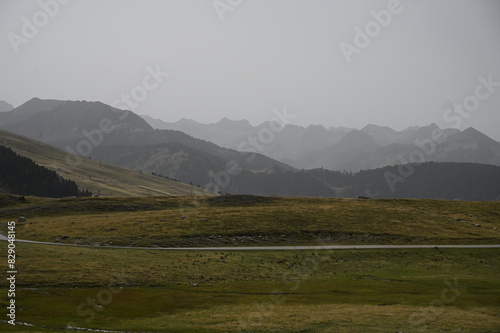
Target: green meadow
{"points": [[85, 288]]}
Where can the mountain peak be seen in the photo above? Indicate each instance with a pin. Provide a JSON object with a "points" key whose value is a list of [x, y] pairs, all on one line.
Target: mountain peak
{"points": [[28, 109], [36, 100], [316, 129], [372, 127], [313, 126], [37, 104], [471, 134], [431, 126], [425, 131], [5, 107], [185, 121], [233, 125], [227, 121], [358, 138], [472, 131]]}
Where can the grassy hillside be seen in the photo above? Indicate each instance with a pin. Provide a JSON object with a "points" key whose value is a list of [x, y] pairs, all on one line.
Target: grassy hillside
{"points": [[253, 220], [278, 291], [99, 178], [20, 175], [137, 290], [129, 143]]}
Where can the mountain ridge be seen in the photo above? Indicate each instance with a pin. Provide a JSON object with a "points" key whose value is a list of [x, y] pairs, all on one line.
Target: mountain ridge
{"points": [[316, 146], [5, 107], [129, 141], [78, 127]]}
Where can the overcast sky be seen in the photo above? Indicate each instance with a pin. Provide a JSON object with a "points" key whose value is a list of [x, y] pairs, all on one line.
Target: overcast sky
{"points": [[246, 57]]}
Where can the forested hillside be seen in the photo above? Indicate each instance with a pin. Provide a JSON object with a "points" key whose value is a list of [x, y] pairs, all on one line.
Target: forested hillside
{"points": [[20, 175], [432, 180]]}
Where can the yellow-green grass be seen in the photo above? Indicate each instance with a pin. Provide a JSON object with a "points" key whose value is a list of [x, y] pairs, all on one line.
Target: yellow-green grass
{"points": [[250, 220], [99, 178], [240, 291]]}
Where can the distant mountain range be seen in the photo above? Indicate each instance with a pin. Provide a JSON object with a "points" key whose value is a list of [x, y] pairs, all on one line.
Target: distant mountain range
{"points": [[99, 132], [348, 149]]}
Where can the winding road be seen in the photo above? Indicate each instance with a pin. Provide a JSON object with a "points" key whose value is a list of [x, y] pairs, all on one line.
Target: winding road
{"points": [[265, 248]]}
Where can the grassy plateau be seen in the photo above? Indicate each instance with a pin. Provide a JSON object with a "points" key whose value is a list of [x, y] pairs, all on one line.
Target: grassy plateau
{"points": [[80, 289], [251, 220]]}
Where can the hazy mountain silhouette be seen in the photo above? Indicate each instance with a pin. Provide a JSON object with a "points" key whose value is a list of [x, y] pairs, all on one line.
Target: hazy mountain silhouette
{"points": [[289, 144], [469, 145], [98, 131], [344, 148], [26, 110], [220, 133], [344, 155], [4, 106]]}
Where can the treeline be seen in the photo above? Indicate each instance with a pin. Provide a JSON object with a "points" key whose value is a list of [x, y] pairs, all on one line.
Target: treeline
{"points": [[20, 175], [432, 180], [173, 179]]}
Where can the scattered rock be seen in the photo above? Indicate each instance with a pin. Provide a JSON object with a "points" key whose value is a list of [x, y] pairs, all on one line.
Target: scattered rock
{"points": [[64, 237], [21, 219], [477, 225]]}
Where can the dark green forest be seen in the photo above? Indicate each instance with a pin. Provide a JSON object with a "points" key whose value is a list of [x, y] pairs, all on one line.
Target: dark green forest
{"points": [[432, 180], [20, 175]]}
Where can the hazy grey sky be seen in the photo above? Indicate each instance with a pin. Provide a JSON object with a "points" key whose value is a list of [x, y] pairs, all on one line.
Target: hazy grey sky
{"points": [[264, 54]]}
